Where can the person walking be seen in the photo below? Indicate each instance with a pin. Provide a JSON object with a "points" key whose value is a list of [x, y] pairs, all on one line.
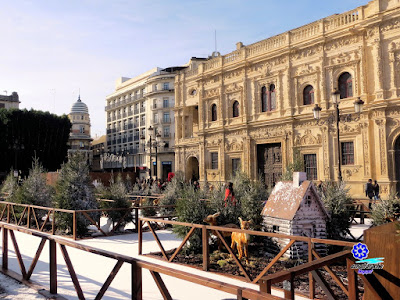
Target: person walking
{"points": [[369, 192], [376, 191], [229, 195]]}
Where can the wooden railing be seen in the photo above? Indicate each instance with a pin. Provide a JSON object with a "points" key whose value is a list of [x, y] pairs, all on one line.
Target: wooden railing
{"points": [[217, 230], [29, 216], [136, 268]]}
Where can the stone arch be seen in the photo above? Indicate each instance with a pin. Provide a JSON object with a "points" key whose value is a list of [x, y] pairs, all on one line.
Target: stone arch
{"points": [[192, 168]]}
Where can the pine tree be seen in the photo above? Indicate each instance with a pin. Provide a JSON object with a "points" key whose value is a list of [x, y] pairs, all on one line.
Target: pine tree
{"points": [[117, 191], [74, 191], [10, 186], [34, 189]]}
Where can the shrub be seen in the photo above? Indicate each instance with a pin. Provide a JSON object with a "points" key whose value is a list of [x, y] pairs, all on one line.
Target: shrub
{"points": [[296, 166], [117, 192], [74, 191], [383, 210], [10, 186], [171, 193], [191, 210], [337, 202], [34, 189]]}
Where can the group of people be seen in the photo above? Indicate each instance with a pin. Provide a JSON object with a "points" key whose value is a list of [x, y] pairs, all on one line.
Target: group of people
{"points": [[372, 192], [145, 183]]}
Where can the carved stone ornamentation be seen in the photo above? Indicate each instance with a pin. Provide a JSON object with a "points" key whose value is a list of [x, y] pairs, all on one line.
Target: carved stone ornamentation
{"points": [[348, 172], [390, 25], [234, 145], [232, 88], [307, 139], [341, 43], [268, 132]]}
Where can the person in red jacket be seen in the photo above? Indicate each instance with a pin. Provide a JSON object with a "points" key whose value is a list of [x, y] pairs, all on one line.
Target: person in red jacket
{"points": [[229, 195]]}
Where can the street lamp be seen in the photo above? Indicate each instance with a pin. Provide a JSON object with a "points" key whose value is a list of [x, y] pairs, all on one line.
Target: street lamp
{"points": [[154, 142], [335, 118], [143, 138]]}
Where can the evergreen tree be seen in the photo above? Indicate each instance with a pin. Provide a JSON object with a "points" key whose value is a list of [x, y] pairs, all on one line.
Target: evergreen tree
{"points": [[337, 202], [10, 186], [74, 191], [117, 192], [34, 189], [384, 210]]}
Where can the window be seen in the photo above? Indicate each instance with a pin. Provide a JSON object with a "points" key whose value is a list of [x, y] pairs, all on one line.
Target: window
{"points": [[193, 92], [165, 103], [155, 103], [264, 94], [347, 153], [235, 109], [155, 118], [166, 86], [166, 118], [268, 98], [345, 85], [307, 203], [82, 129], [275, 228], [272, 98], [154, 87], [308, 95], [235, 165], [214, 160], [166, 131], [214, 112], [310, 166]]}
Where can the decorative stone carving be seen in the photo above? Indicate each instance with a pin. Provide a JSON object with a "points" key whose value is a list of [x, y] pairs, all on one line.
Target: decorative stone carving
{"points": [[307, 52], [306, 69], [307, 139], [232, 88], [193, 151], [268, 132], [348, 172], [390, 25], [344, 58], [341, 43], [232, 74], [213, 175], [234, 145], [211, 93], [346, 128]]}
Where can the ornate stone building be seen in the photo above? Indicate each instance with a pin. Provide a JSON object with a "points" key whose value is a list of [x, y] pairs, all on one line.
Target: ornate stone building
{"points": [[253, 108], [11, 101]]}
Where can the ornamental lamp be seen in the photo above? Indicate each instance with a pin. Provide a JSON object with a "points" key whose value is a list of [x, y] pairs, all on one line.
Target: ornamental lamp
{"points": [[335, 96], [358, 105], [317, 112]]}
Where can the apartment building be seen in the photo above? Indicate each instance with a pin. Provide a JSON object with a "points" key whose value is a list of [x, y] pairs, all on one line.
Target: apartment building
{"points": [[140, 124]]}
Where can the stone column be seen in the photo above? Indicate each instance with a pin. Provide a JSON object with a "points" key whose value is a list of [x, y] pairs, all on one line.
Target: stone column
{"points": [[381, 123], [366, 152]]}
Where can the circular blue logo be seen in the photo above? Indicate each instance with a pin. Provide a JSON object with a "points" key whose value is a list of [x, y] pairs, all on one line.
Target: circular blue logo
{"points": [[360, 251]]}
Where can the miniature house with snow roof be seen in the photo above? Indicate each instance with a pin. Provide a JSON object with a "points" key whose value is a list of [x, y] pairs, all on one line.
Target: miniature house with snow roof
{"points": [[295, 208]]}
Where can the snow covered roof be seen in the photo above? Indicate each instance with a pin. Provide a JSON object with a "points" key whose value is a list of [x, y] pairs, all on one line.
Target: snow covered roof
{"points": [[286, 198]]}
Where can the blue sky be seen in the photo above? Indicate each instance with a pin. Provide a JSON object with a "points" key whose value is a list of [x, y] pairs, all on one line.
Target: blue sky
{"points": [[51, 49]]}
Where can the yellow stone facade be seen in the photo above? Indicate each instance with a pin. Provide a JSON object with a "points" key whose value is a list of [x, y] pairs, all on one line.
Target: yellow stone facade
{"points": [[364, 42]]}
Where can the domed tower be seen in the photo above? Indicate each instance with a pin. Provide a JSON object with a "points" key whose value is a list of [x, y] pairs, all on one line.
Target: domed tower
{"points": [[79, 138]]}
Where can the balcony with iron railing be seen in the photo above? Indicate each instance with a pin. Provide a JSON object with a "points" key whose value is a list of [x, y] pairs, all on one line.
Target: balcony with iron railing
{"points": [[166, 120]]}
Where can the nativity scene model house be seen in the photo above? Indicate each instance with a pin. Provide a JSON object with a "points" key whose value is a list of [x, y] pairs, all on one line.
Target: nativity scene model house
{"points": [[295, 208]]}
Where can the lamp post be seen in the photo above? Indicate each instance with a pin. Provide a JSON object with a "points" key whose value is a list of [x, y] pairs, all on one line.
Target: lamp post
{"points": [[158, 135], [143, 138], [335, 118], [153, 142]]}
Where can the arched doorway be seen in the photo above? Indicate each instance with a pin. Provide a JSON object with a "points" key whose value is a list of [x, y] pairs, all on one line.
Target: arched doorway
{"points": [[192, 169], [397, 163]]}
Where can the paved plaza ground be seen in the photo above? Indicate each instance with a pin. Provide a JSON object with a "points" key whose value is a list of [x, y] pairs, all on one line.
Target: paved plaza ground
{"points": [[92, 270]]}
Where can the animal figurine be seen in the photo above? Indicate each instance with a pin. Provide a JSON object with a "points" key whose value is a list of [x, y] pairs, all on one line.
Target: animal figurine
{"points": [[241, 240], [212, 220]]}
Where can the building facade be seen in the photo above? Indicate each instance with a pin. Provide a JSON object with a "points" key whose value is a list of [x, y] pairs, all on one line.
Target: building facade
{"points": [[11, 101], [139, 111], [253, 108], [98, 147], [79, 138]]}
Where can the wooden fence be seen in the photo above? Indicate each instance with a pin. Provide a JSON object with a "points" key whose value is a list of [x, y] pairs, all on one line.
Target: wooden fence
{"points": [[314, 258], [136, 268], [29, 216]]}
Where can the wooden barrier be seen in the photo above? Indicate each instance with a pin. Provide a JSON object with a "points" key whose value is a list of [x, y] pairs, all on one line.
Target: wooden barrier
{"points": [[29, 216], [205, 229], [136, 268]]}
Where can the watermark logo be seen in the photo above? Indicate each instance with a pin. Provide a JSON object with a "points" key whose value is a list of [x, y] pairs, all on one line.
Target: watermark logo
{"points": [[365, 266]]}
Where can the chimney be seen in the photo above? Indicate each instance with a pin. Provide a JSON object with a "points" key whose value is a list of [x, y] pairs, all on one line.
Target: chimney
{"points": [[298, 178]]}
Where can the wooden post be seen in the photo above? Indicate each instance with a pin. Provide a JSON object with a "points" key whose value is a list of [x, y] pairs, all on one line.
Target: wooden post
{"points": [[311, 281], [136, 219], [352, 280], [140, 237], [74, 225], [136, 282], [5, 249], [8, 213], [53, 222], [53, 266], [206, 249], [28, 218]]}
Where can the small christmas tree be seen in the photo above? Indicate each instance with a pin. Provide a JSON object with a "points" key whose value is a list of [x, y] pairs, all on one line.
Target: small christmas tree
{"points": [[10, 186], [34, 189], [117, 192], [74, 191]]}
